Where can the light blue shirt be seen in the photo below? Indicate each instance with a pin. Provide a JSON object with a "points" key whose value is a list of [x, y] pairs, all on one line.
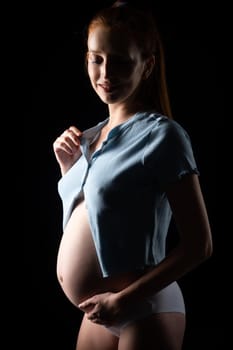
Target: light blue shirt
{"points": [[123, 185]]}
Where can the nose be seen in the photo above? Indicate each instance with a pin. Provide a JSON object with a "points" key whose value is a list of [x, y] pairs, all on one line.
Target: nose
{"points": [[108, 69]]}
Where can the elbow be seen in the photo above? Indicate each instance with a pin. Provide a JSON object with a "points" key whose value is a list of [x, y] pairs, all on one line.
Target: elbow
{"points": [[198, 252], [208, 250], [207, 246], [204, 252]]}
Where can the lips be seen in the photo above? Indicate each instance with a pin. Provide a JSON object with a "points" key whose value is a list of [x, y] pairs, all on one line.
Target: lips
{"points": [[108, 87]]}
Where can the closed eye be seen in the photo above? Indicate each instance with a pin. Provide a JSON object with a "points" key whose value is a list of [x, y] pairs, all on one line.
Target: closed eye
{"points": [[93, 58], [113, 60]]}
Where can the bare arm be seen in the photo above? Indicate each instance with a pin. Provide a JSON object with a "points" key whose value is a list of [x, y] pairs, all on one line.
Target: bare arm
{"points": [[195, 243]]}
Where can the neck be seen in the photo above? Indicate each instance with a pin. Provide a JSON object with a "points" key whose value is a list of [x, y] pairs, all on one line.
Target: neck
{"points": [[119, 114]]}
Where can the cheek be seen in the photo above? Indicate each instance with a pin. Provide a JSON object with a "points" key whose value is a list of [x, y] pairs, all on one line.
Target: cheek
{"points": [[134, 77], [92, 72], [138, 74], [133, 73]]}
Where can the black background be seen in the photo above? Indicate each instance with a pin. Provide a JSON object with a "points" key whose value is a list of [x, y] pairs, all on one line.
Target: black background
{"points": [[55, 95]]}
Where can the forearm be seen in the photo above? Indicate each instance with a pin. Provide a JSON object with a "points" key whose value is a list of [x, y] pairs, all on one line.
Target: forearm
{"points": [[173, 267]]}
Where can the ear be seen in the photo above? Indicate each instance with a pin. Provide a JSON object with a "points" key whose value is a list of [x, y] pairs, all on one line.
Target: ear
{"points": [[149, 66]]}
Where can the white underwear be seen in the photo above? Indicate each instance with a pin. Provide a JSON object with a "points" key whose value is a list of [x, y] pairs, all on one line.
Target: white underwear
{"points": [[169, 299]]}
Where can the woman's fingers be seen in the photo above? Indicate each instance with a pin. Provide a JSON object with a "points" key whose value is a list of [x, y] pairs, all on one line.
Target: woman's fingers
{"points": [[68, 141]]}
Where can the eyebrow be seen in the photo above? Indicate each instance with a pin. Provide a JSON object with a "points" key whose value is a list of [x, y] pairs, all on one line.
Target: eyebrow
{"points": [[93, 51], [101, 52]]}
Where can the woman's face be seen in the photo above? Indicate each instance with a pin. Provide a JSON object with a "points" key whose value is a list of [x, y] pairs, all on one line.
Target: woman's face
{"points": [[114, 63]]}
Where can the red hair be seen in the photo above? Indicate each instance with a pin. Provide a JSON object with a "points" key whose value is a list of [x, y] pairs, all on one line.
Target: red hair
{"points": [[141, 27]]}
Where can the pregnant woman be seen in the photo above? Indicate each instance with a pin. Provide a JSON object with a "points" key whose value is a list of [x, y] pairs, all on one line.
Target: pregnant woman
{"points": [[122, 180]]}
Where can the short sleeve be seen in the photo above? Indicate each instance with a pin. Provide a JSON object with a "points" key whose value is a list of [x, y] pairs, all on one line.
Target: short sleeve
{"points": [[168, 153]]}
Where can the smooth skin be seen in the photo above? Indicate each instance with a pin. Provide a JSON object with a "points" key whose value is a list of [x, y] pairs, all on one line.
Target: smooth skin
{"points": [[116, 68], [163, 331]]}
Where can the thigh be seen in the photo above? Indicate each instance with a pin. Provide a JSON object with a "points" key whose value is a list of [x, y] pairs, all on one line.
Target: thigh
{"points": [[95, 337], [161, 331]]}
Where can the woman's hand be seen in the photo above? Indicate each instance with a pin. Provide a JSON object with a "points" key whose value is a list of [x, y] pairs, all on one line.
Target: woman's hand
{"points": [[105, 309], [67, 148]]}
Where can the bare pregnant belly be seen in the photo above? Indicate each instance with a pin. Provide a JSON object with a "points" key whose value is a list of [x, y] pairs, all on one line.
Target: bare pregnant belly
{"points": [[78, 268]]}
